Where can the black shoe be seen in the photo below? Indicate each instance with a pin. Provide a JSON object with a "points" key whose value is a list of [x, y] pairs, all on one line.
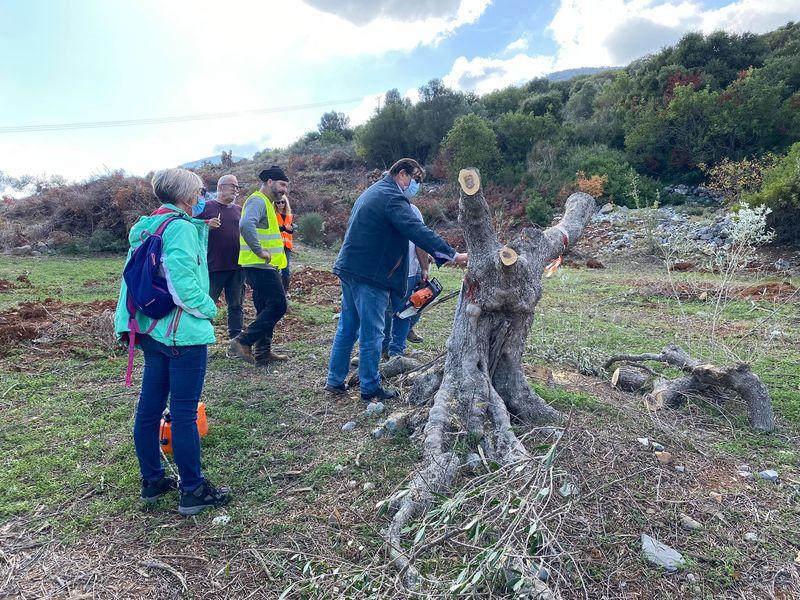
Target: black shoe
{"points": [[339, 390], [379, 394], [413, 337], [153, 490], [204, 496]]}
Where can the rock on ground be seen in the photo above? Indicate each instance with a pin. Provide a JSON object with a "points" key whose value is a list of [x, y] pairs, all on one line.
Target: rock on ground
{"points": [[661, 555]]}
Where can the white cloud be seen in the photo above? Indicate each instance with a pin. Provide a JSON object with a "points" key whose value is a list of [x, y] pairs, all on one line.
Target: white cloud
{"points": [[361, 12], [518, 45], [251, 54], [592, 33], [483, 74], [361, 113], [614, 32]]}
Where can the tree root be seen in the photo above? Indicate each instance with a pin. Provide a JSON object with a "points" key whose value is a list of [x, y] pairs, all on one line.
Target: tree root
{"points": [[702, 379]]}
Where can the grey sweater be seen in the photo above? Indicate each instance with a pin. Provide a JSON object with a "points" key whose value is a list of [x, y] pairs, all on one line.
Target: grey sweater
{"points": [[254, 216]]}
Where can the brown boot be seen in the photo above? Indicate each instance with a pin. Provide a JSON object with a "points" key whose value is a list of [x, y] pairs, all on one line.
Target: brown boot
{"points": [[264, 354], [239, 350]]}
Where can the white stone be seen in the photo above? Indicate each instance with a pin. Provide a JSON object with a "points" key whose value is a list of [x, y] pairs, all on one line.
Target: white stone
{"points": [[661, 555], [769, 475]]}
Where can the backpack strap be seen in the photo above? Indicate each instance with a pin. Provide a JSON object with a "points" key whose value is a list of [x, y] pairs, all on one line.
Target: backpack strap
{"points": [[133, 324]]}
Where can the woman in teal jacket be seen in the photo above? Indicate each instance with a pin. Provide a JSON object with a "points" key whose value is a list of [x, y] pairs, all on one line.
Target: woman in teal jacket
{"points": [[175, 351]]}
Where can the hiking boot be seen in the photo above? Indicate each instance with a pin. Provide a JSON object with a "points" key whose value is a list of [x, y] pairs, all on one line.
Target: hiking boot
{"points": [[337, 390], [202, 497], [413, 337], [265, 359], [153, 490], [239, 350], [263, 354], [379, 394]]}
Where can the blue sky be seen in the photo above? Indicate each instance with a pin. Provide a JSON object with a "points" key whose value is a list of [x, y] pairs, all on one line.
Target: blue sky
{"points": [[93, 60]]}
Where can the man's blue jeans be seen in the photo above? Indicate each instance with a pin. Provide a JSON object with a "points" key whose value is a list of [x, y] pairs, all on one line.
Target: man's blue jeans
{"points": [[395, 330], [177, 372], [362, 318]]}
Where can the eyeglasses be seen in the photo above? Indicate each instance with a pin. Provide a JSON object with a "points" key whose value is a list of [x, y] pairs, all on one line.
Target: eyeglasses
{"points": [[280, 202], [232, 185]]}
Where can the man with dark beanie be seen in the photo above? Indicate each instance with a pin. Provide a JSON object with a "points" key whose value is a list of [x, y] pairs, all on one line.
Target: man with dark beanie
{"points": [[372, 262], [262, 255]]}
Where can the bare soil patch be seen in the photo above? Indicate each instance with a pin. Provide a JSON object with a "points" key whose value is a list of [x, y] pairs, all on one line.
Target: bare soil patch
{"points": [[315, 286], [770, 291], [50, 324]]}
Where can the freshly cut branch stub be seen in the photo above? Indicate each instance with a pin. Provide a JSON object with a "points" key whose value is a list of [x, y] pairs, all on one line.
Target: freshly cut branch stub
{"points": [[470, 181], [631, 379], [507, 256]]}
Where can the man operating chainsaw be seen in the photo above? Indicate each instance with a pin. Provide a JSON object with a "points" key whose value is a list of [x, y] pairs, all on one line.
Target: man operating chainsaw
{"points": [[372, 262]]}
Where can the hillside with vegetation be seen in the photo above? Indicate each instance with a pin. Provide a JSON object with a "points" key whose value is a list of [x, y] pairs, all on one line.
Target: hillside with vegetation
{"points": [[721, 111]]}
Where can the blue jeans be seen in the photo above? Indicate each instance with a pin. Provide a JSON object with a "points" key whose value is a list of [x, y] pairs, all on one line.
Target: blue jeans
{"points": [[362, 318], [395, 330], [233, 284], [286, 272], [177, 372]]}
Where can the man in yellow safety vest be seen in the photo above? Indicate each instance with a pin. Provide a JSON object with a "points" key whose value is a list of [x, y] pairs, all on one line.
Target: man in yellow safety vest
{"points": [[262, 255]]}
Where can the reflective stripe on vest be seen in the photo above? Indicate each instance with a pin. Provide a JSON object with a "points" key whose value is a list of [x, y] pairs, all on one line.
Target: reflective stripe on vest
{"points": [[269, 239], [283, 221]]}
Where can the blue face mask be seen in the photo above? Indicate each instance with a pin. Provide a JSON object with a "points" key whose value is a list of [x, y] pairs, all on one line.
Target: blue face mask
{"points": [[199, 207], [412, 189]]}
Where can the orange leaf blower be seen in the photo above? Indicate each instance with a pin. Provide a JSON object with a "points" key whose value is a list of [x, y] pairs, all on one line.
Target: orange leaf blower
{"points": [[165, 433]]}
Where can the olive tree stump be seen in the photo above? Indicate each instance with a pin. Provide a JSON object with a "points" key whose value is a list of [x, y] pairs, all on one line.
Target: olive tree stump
{"points": [[701, 380], [482, 388]]}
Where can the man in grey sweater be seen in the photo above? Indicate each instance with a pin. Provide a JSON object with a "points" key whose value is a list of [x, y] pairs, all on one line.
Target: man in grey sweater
{"points": [[261, 253]]}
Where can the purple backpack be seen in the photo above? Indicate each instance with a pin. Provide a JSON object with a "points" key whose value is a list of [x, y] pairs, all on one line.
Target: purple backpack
{"points": [[147, 290]]}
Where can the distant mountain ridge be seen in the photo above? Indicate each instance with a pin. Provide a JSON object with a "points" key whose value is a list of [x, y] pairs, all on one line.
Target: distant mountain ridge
{"points": [[567, 74]]}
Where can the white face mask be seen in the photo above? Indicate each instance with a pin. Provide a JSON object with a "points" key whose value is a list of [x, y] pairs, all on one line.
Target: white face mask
{"points": [[412, 189]]}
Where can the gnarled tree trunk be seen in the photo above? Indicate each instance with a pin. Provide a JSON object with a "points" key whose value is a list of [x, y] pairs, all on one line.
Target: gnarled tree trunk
{"points": [[483, 387]]}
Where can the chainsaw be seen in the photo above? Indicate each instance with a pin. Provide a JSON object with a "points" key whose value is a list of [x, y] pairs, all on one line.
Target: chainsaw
{"points": [[425, 293]]}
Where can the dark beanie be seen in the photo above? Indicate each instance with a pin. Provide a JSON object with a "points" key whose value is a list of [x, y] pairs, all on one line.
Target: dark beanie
{"points": [[274, 172]]}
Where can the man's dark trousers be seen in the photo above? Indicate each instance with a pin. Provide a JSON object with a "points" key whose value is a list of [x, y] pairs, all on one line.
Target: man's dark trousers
{"points": [[269, 299], [233, 284]]}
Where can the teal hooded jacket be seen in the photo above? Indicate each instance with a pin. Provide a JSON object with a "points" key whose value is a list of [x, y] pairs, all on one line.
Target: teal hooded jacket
{"points": [[183, 264]]}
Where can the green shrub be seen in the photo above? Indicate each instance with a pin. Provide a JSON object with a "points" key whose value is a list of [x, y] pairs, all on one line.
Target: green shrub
{"points": [[538, 210], [103, 240], [542, 104], [471, 143], [780, 191], [311, 228], [602, 160]]}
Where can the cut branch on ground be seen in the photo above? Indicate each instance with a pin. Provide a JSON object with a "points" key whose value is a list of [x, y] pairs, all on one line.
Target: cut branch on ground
{"points": [[703, 379]]}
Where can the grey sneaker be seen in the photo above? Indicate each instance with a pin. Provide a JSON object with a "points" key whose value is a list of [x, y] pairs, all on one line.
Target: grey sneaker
{"points": [[153, 490], [203, 497]]}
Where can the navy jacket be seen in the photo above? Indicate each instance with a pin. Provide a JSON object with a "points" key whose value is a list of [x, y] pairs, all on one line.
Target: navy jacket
{"points": [[375, 248]]}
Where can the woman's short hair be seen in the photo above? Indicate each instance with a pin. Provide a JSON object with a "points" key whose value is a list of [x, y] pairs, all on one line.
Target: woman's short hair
{"points": [[409, 165], [176, 185]]}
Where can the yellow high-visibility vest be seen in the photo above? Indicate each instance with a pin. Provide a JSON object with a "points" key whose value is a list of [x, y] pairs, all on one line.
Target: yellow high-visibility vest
{"points": [[270, 238]]}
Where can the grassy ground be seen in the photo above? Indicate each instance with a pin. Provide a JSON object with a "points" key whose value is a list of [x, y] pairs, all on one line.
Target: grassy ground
{"points": [[71, 525]]}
